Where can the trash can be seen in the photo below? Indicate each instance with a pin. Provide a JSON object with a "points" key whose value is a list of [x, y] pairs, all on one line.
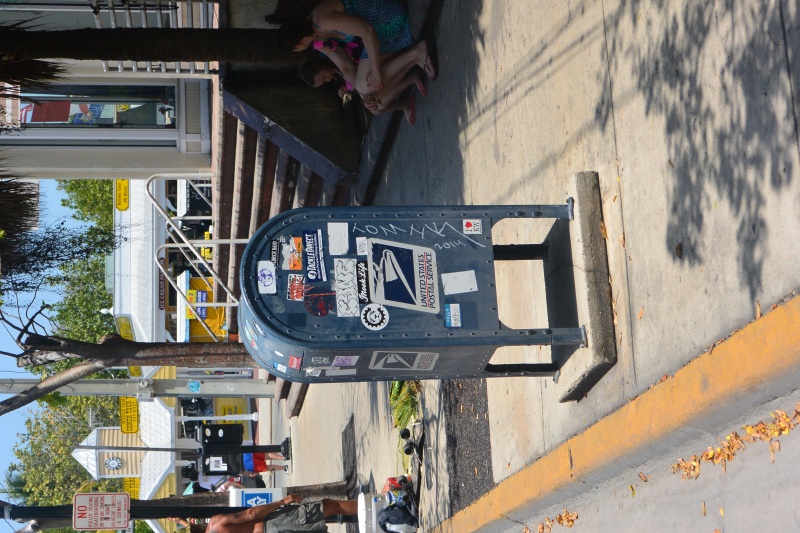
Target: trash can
{"points": [[385, 293]]}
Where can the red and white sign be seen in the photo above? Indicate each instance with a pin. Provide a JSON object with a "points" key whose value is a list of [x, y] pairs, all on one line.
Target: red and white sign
{"points": [[472, 226], [101, 510]]}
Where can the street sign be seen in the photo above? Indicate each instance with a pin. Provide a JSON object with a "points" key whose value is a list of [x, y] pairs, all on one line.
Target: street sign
{"points": [[122, 194], [128, 414], [101, 510], [253, 497]]}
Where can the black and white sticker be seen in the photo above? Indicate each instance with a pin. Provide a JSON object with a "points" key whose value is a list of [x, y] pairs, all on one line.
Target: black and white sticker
{"points": [[266, 278], [315, 259], [344, 275], [374, 316], [403, 275], [362, 281], [394, 361]]}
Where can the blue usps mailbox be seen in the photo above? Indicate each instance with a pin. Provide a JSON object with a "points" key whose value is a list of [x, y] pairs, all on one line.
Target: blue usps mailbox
{"points": [[385, 293]]}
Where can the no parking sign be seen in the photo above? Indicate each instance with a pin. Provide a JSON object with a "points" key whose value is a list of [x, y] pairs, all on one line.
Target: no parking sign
{"points": [[101, 510]]}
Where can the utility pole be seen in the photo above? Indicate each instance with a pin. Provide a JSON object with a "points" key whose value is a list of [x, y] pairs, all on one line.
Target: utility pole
{"points": [[203, 505], [146, 389]]}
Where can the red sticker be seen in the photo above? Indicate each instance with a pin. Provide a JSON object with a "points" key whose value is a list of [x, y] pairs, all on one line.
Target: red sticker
{"points": [[294, 362]]}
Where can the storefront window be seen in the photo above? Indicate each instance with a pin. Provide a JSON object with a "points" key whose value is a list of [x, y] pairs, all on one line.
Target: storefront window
{"points": [[111, 106]]}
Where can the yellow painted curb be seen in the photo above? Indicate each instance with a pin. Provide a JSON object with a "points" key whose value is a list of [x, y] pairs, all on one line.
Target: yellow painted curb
{"points": [[763, 351]]}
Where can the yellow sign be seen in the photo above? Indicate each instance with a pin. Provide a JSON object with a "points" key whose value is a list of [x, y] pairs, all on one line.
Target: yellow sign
{"points": [[125, 327], [135, 371], [191, 297], [199, 292], [122, 194], [128, 414], [131, 486]]}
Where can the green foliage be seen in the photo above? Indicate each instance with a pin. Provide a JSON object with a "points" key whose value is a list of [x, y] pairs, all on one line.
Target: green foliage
{"points": [[404, 401], [142, 527], [50, 472], [77, 316], [14, 486], [54, 400], [91, 201]]}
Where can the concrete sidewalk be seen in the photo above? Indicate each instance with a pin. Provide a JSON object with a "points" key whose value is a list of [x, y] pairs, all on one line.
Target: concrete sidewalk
{"points": [[689, 116]]}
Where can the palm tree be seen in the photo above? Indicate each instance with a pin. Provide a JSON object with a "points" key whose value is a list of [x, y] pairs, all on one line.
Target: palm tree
{"points": [[29, 73], [19, 206], [14, 486]]}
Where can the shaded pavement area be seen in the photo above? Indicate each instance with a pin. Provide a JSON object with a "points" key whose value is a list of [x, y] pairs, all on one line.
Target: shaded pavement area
{"points": [[688, 113]]}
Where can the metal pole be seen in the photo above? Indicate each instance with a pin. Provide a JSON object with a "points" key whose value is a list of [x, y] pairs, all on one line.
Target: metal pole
{"points": [[253, 417], [160, 388], [134, 448]]}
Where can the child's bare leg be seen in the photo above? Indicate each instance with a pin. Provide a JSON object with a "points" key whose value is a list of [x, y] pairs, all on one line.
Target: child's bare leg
{"points": [[393, 67], [390, 92]]}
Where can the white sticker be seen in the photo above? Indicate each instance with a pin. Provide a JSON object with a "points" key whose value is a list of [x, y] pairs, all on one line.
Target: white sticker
{"points": [[266, 278], [281, 369], [346, 286], [394, 361], [340, 371], [361, 246], [345, 360], [217, 465], [403, 275], [338, 238], [452, 315], [459, 282], [472, 226], [374, 316]]}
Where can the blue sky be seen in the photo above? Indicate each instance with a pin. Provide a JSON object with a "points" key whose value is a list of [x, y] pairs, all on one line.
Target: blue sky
{"points": [[14, 423]]}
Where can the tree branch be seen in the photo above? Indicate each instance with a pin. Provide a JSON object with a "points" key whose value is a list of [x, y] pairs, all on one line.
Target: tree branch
{"points": [[52, 383]]}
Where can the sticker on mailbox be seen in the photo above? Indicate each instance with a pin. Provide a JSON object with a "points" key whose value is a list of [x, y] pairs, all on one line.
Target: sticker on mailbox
{"points": [[403, 275], [266, 278], [398, 361]]}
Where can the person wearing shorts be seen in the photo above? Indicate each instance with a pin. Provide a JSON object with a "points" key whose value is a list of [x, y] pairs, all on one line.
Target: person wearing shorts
{"points": [[300, 517], [283, 516]]}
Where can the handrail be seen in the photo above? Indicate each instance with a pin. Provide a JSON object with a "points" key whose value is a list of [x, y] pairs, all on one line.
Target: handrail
{"points": [[192, 305], [189, 245], [180, 232]]}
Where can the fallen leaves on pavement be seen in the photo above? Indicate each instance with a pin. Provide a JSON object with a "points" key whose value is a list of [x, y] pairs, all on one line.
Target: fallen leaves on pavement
{"points": [[781, 424], [565, 519]]}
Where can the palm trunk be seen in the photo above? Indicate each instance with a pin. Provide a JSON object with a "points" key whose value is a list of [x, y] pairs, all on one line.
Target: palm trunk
{"points": [[233, 45]]}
